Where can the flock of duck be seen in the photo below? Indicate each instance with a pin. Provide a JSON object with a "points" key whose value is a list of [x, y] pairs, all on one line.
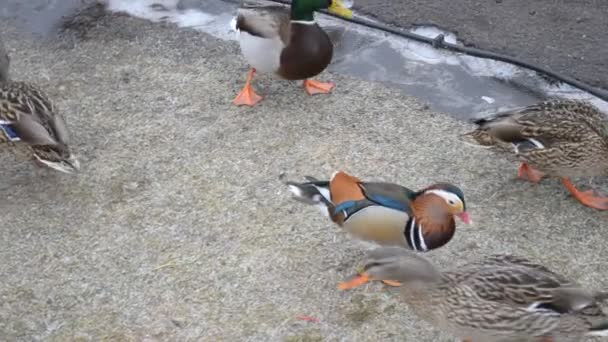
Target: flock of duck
{"points": [[499, 298]]}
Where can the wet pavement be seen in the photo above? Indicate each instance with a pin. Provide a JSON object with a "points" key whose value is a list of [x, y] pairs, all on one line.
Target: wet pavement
{"points": [[566, 36]]}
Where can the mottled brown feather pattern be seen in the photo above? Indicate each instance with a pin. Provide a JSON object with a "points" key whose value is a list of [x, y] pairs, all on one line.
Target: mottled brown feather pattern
{"points": [[488, 300], [19, 99], [574, 135]]}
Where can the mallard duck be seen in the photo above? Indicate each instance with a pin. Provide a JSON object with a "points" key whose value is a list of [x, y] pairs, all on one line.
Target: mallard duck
{"points": [[500, 298], [558, 138], [385, 213], [286, 42], [28, 116]]}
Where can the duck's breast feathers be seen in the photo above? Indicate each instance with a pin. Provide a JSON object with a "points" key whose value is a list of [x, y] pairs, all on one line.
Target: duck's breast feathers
{"points": [[308, 52], [425, 237], [268, 22], [375, 223]]}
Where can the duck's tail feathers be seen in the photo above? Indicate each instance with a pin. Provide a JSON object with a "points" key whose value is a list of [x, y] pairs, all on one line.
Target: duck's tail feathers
{"points": [[313, 192]]}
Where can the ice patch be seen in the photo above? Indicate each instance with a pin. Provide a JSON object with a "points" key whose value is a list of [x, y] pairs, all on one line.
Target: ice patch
{"points": [[218, 25], [488, 99], [449, 81]]}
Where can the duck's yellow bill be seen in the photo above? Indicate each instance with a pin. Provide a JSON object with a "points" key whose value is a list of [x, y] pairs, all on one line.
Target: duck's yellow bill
{"points": [[337, 7]]}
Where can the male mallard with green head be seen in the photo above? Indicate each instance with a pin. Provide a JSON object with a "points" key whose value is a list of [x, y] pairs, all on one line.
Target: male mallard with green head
{"points": [[558, 138], [287, 42], [501, 298], [385, 213], [28, 116]]}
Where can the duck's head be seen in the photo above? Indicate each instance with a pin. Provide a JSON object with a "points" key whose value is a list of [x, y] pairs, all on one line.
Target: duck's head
{"points": [[395, 264], [400, 264], [57, 157], [304, 9], [443, 199]]}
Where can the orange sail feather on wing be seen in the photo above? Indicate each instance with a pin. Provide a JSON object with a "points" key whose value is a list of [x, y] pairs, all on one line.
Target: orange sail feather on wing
{"points": [[344, 187]]}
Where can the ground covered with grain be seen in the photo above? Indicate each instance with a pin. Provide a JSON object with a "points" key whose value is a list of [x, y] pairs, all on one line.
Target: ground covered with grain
{"points": [[178, 227]]}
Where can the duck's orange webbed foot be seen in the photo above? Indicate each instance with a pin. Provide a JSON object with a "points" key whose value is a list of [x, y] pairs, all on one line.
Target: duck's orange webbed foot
{"points": [[247, 96], [315, 87], [392, 283], [528, 173], [587, 198], [361, 279], [357, 281]]}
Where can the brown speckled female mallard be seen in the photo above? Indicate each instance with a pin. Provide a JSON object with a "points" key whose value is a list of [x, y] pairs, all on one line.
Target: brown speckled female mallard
{"points": [[285, 41], [27, 116], [558, 138], [502, 298]]}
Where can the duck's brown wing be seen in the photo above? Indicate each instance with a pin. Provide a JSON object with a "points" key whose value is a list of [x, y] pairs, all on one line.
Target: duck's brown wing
{"points": [[35, 119], [543, 125], [264, 21], [518, 281]]}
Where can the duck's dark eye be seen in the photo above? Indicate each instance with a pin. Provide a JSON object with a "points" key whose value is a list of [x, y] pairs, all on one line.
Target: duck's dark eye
{"points": [[451, 202]]}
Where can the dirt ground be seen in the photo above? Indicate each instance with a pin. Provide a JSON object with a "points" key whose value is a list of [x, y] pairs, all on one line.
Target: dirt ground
{"points": [[178, 227], [566, 36]]}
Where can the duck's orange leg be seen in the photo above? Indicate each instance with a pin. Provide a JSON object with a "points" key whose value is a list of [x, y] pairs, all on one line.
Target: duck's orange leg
{"points": [[588, 197], [315, 87], [247, 96], [392, 283], [361, 279], [528, 173], [357, 281]]}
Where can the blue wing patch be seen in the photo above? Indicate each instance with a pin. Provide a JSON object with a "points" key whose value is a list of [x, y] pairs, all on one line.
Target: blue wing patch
{"points": [[388, 202], [344, 206], [9, 132]]}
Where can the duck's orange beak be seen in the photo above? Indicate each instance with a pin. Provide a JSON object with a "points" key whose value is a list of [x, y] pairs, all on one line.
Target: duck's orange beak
{"points": [[464, 216]]}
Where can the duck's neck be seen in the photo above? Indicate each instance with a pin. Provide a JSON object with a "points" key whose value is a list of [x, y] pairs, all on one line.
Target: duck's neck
{"points": [[429, 227], [301, 12]]}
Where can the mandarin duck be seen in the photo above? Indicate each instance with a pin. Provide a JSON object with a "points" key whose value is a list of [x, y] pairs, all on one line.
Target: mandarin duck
{"points": [[28, 117], [557, 138], [385, 213], [502, 298], [287, 42]]}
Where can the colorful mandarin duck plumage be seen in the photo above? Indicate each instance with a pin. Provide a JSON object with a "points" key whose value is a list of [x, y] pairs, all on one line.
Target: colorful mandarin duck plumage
{"points": [[286, 42], [558, 138], [385, 213], [28, 117], [502, 298]]}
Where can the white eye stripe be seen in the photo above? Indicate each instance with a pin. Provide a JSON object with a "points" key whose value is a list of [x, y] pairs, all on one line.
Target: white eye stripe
{"points": [[449, 197]]}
